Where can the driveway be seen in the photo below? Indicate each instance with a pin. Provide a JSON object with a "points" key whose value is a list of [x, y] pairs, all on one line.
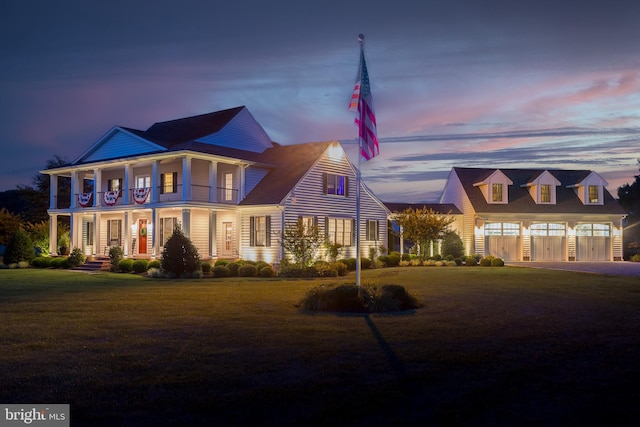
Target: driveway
{"points": [[613, 268]]}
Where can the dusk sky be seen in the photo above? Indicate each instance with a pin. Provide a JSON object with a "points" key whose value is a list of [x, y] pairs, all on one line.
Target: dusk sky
{"points": [[509, 84]]}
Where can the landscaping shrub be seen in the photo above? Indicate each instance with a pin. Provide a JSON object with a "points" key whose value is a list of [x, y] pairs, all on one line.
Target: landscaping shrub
{"points": [[406, 257], [267, 271], [77, 257], [452, 245], [233, 268], [405, 263], [293, 270], [221, 271], [154, 264], [115, 256], [41, 262], [155, 273], [126, 265], [180, 256], [350, 263], [384, 260], [60, 262], [635, 258], [497, 262], [261, 264], [140, 265], [471, 261], [485, 262], [247, 270], [458, 261], [221, 262], [349, 298], [394, 259], [365, 263], [20, 248], [206, 267]]}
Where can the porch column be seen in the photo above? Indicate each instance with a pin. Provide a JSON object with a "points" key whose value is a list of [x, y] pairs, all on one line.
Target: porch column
{"points": [[53, 234], [241, 183], [186, 222], [213, 241], [74, 190], [186, 178], [128, 184], [155, 230], [401, 242], [97, 243], [125, 234], [155, 181], [53, 191], [213, 182], [97, 187]]}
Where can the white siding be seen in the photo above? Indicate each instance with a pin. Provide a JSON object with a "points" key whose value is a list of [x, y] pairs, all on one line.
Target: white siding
{"points": [[119, 144], [200, 231], [271, 253], [308, 199], [454, 193], [242, 132]]}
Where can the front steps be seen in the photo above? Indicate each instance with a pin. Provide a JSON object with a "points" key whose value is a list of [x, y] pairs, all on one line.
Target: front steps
{"points": [[99, 263]]}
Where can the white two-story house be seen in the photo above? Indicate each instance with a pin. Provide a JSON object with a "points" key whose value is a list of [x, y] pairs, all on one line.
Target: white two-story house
{"points": [[221, 178], [536, 215]]}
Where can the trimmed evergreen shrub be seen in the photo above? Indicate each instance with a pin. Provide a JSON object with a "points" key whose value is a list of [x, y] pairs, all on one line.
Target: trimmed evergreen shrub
{"points": [[247, 270], [77, 257], [233, 268], [60, 262], [205, 266], [384, 260], [126, 265], [497, 262], [351, 299], [635, 258], [41, 262], [458, 261], [365, 263], [221, 262], [293, 270], [350, 263], [485, 262], [452, 245], [267, 271], [20, 248], [180, 256], [140, 265], [221, 270], [261, 264], [115, 256], [155, 273], [471, 261], [394, 259], [154, 264]]}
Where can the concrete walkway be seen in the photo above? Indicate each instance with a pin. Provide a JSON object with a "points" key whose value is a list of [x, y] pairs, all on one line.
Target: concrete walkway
{"points": [[615, 268]]}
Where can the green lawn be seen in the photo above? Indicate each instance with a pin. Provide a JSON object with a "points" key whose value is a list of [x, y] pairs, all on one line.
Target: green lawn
{"points": [[492, 346]]}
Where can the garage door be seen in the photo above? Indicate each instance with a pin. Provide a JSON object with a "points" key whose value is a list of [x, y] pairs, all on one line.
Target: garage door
{"points": [[548, 242], [593, 242], [502, 240]]}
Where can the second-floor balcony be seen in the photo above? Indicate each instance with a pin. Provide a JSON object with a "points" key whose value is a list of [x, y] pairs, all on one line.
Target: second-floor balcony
{"points": [[144, 195]]}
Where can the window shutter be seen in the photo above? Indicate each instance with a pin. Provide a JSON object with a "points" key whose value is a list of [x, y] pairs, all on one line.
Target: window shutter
{"points": [[120, 232], [324, 183], [162, 179], [268, 230], [346, 186], [252, 231], [326, 229], [315, 221], [175, 182], [109, 185], [377, 230], [109, 233]]}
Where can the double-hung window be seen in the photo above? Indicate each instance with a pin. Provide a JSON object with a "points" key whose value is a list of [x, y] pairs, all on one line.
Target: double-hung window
{"points": [[594, 194], [260, 231], [169, 183], [496, 193], [340, 231], [372, 230], [545, 193]]}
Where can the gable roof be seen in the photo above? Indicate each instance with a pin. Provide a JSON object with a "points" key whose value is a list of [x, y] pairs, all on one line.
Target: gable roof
{"points": [[229, 133], [519, 201], [290, 164], [440, 208]]}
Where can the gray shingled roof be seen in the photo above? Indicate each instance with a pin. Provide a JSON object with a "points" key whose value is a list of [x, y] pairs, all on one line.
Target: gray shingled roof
{"points": [[520, 201], [291, 163]]}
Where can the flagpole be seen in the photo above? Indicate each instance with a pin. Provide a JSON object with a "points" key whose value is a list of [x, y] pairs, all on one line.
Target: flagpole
{"points": [[358, 260]]}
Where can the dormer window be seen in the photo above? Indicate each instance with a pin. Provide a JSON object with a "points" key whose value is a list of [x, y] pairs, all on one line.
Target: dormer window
{"points": [[545, 193], [496, 193], [495, 187], [594, 194]]}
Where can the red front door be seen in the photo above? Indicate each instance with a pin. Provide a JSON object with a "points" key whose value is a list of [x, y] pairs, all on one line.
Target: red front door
{"points": [[142, 236]]}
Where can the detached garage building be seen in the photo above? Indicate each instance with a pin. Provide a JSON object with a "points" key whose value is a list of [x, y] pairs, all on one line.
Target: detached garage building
{"points": [[536, 215]]}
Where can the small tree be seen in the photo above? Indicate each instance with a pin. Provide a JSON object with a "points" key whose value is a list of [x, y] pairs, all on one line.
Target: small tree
{"points": [[423, 226], [9, 223], [301, 241], [452, 245], [20, 248], [180, 256]]}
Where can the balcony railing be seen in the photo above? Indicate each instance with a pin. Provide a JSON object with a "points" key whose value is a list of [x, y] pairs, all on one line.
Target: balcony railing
{"points": [[140, 196]]}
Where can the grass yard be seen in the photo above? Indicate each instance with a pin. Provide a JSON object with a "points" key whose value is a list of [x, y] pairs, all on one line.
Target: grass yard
{"points": [[492, 346]]}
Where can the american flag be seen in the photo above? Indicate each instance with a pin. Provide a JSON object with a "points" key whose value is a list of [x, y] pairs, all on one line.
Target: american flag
{"points": [[366, 118]]}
